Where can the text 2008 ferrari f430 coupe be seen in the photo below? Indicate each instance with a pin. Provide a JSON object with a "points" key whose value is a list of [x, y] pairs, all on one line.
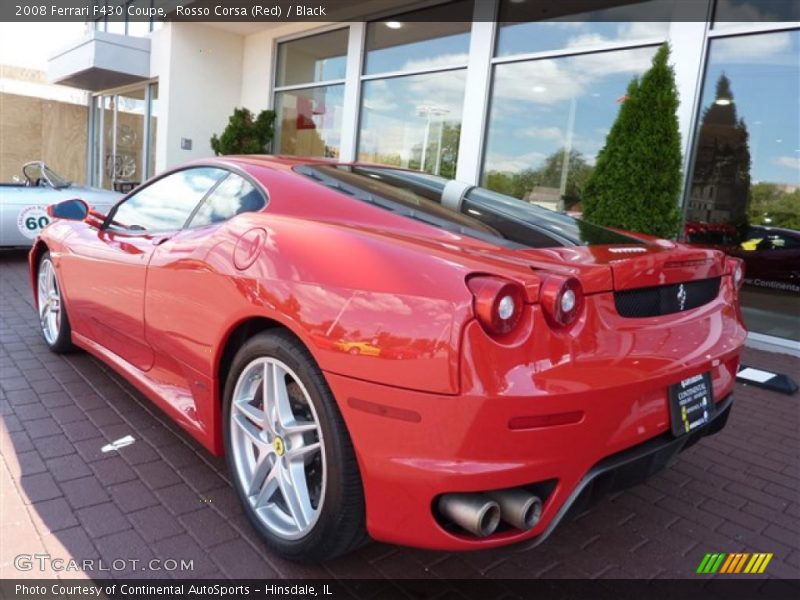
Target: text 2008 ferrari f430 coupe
{"points": [[385, 353]]}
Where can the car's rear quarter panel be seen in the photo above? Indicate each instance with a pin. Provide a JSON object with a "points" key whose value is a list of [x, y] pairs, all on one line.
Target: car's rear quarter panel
{"points": [[615, 371], [335, 286]]}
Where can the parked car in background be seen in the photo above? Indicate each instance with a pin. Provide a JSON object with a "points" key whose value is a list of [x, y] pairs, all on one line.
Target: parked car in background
{"points": [[24, 202], [388, 353], [771, 256]]}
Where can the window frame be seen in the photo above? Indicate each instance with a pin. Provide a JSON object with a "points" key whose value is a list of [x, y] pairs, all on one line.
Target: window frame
{"points": [[308, 35], [365, 80], [311, 84], [100, 23], [106, 226], [276, 140], [499, 62], [691, 141], [365, 50], [278, 89], [246, 177]]}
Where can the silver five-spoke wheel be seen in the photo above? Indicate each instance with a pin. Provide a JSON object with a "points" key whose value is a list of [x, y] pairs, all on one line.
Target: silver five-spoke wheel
{"points": [[278, 448], [49, 301]]}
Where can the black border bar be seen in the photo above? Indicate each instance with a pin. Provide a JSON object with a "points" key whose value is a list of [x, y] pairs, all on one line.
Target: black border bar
{"points": [[734, 587], [510, 11]]}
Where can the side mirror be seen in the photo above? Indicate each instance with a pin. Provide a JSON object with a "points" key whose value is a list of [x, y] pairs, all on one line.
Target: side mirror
{"points": [[74, 210]]}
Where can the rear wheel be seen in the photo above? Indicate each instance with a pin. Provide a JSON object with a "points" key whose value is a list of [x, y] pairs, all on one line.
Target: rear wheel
{"points": [[53, 319], [289, 453]]}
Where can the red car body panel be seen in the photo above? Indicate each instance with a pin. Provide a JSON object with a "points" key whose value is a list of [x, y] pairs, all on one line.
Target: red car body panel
{"points": [[161, 308]]}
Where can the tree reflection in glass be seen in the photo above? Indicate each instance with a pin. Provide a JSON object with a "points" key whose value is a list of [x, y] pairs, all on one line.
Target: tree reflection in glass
{"points": [[744, 195]]}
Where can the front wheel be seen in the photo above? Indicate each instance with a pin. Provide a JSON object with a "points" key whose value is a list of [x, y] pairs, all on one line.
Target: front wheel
{"points": [[53, 318], [289, 453]]}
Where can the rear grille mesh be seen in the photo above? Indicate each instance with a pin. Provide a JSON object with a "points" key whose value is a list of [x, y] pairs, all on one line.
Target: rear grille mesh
{"points": [[666, 299]]}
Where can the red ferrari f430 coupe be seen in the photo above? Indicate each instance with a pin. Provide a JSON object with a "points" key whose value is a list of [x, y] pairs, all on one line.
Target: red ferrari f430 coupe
{"points": [[384, 353]]}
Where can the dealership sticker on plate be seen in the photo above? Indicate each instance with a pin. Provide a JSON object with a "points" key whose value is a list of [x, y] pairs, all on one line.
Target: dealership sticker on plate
{"points": [[31, 220], [691, 403]]}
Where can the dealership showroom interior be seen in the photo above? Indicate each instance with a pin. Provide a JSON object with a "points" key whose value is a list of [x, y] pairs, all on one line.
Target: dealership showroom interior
{"points": [[400, 298]]}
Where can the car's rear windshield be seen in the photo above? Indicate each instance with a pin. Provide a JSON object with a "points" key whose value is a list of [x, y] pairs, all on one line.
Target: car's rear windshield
{"points": [[482, 213]]}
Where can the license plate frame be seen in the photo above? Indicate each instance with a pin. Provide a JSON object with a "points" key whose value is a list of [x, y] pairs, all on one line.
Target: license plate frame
{"points": [[691, 403]]}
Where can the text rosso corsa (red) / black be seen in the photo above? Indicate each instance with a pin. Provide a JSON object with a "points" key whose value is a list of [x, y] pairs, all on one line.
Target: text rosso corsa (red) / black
{"points": [[256, 11]]}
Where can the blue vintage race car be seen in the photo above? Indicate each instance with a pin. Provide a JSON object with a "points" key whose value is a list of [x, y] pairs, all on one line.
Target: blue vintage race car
{"points": [[24, 202]]}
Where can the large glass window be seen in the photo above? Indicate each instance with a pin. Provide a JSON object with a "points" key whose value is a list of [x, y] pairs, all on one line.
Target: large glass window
{"points": [[421, 40], [309, 94], [138, 28], [745, 188], [521, 30], [548, 120], [310, 121], [738, 13], [413, 122], [317, 58], [108, 18]]}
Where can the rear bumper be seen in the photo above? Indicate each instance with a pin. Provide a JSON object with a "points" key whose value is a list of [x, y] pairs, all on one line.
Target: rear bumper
{"points": [[413, 446], [631, 467]]}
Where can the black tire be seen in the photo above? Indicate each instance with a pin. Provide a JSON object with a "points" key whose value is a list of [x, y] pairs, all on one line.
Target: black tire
{"points": [[63, 341], [340, 527]]}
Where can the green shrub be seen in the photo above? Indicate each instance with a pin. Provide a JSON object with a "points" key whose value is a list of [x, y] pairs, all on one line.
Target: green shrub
{"points": [[636, 183], [245, 134]]}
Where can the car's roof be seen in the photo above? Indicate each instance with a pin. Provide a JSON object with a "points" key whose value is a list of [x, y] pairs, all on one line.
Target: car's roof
{"points": [[770, 229], [277, 160], [284, 162]]}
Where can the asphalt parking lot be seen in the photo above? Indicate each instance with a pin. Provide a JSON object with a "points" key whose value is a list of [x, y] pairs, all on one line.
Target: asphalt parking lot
{"points": [[164, 497]]}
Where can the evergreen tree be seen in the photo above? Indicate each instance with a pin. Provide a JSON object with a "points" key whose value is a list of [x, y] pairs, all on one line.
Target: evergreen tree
{"points": [[245, 134], [636, 183]]}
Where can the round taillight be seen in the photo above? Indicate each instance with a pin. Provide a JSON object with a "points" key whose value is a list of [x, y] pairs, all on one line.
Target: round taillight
{"points": [[506, 308], [736, 269], [568, 301], [562, 299], [497, 302]]}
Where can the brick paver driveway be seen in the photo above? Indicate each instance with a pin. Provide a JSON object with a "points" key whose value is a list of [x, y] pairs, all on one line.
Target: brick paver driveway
{"points": [[164, 497]]}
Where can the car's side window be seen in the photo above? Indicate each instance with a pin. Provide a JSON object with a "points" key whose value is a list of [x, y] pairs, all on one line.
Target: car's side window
{"points": [[233, 196], [167, 203]]}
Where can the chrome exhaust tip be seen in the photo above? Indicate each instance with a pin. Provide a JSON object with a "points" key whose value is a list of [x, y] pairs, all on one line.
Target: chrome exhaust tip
{"points": [[518, 508], [474, 512]]}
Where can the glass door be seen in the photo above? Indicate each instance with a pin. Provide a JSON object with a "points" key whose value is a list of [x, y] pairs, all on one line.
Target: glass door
{"points": [[122, 139], [123, 161]]}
